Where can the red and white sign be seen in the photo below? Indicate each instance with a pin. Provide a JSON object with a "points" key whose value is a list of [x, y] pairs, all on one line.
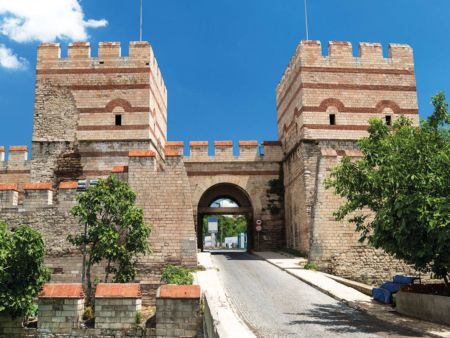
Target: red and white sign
{"points": [[258, 222], [258, 228]]}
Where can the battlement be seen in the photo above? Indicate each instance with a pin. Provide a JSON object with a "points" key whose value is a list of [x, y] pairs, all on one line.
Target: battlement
{"points": [[141, 55], [340, 55], [17, 158], [223, 151]]}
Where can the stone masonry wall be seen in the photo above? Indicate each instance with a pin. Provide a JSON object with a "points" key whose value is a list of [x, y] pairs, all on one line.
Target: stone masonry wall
{"points": [[166, 199]]}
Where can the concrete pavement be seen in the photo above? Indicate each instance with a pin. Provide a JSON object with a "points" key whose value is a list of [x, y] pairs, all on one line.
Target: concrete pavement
{"points": [[352, 297], [275, 304]]}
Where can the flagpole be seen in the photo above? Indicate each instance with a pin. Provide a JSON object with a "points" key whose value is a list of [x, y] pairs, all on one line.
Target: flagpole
{"points": [[306, 22], [140, 35]]}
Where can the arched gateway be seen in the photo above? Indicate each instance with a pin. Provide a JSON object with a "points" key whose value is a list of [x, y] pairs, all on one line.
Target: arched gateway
{"points": [[229, 191]]}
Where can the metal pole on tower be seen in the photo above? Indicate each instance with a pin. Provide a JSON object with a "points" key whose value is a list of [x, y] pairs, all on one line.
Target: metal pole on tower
{"points": [[306, 22], [140, 36]]}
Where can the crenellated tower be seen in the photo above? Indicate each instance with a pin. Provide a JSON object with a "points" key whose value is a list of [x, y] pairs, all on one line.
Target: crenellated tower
{"points": [[90, 111], [323, 107]]}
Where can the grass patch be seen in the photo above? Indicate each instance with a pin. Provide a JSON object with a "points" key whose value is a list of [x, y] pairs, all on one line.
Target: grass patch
{"points": [[292, 251], [198, 268]]}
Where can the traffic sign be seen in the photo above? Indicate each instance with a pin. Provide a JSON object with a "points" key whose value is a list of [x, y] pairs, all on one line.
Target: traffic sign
{"points": [[258, 228], [258, 222]]}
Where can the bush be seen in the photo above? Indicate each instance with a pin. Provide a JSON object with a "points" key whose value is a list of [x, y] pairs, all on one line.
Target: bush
{"points": [[21, 274], [88, 313], [138, 317], [311, 267], [175, 275]]}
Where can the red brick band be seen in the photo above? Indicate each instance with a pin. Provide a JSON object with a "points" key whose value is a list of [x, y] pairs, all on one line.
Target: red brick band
{"points": [[118, 291], [335, 127], [198, 143], [237, 173], [111, 127], [74, 291], [105, 110], [13, 172], [110, 87], [223, 143], [142, 153], [179, 291], [93, 71], [344, 87], [344, 70]]}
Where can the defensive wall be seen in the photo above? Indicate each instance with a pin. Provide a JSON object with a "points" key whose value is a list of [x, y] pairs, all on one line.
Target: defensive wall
{"points": [[323, 107]]}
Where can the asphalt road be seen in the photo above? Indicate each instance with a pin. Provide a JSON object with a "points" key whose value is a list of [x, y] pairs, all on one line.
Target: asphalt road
{"points": [[276, 304]]}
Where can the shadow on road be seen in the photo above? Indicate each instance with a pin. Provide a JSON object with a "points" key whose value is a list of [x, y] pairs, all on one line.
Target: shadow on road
{"points": [[234, 254], [336, 318]]}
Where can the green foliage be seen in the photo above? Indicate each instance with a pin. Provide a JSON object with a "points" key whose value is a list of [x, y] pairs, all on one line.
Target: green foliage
{"points": [[21, 274], [231, 225], [138, 317], [403, 181], [292, 251], [116, 231], [175, 275], [88, 313], [198, 268], [394, 299], [276, 188], [311, 267]]}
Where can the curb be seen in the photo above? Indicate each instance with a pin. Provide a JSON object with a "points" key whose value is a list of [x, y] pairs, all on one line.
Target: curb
{"points": [[356, 307]]}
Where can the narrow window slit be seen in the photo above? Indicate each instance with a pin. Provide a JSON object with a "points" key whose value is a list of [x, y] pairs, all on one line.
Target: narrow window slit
{"points": [[332, 119], [388, 120], [118, 120]]}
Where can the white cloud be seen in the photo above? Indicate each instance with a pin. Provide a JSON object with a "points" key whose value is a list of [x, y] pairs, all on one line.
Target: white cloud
{"points": [[11, 61], [45, 20]]}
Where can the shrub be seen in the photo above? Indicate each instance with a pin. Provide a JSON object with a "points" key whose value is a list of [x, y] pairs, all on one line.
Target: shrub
{"points": [[311, 267], [88, 313], [138, 317], [21, 274], [175, 275]]}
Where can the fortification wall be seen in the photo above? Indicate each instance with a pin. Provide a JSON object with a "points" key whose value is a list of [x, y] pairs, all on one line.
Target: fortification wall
{"points": [[248, 170], [164, 195]]}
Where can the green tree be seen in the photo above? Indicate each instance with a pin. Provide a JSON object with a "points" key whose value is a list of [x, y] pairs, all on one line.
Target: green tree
{"points": [[21, 274], [115, 230], [398, 195]]}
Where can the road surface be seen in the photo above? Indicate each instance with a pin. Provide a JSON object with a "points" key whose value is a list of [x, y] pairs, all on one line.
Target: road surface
{"points": [[276, 304]]}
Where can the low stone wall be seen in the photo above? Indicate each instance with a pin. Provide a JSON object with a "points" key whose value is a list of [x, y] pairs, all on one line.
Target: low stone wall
{"points": [[371, 266], [424, 306], [11, 328], [178, 311]]}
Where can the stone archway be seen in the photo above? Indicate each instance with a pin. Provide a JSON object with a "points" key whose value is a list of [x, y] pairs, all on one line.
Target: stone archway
{"points": [[229, 191]]}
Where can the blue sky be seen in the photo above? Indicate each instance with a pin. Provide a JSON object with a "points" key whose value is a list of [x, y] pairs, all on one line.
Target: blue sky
{"points": [[221, 60]]}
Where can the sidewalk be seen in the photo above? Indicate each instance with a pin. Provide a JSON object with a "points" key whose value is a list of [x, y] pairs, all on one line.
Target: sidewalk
{"points": [[231, 324], [352, 297]]}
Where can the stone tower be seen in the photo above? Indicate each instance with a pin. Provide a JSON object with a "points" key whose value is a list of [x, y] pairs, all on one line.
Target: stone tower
{"points": [[91, 111], [323, 107]]}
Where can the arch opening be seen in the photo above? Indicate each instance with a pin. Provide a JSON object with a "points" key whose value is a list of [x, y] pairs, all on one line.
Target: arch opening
{"points": [[233, 208]]}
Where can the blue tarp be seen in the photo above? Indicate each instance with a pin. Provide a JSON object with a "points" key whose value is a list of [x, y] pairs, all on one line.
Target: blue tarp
{"points": [[384, 292]]}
